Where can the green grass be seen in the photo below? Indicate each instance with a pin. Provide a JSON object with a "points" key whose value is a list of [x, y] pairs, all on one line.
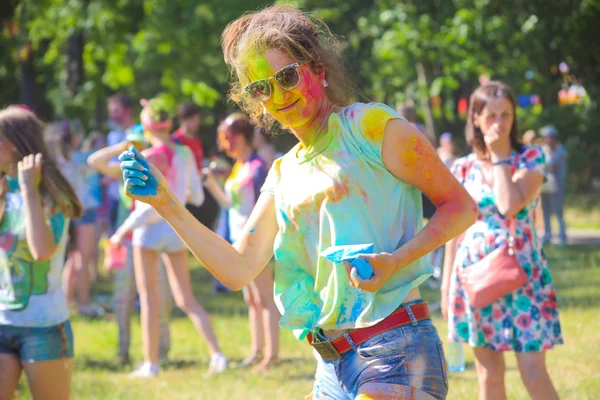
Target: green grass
{"points": [[574, 367], [581, 212]]}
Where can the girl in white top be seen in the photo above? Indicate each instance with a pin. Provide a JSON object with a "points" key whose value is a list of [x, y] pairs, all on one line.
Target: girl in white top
{"points": [[152, 237]]}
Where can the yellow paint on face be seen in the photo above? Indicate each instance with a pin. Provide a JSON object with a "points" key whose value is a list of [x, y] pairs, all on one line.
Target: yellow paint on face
{"points": [[257, 68], [293, 108]]}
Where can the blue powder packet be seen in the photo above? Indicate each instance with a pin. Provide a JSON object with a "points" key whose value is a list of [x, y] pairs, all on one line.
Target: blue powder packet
{"points": [[350, 253]]}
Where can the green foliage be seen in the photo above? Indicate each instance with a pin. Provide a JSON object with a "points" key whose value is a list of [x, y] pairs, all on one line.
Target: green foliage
{"points": [[432, 52], [578, 127], [147, 48]]}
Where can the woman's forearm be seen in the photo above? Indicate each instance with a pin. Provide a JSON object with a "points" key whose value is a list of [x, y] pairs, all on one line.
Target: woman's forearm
{"points": [[217, 255], [39, 236], [507, 194], [101, 160], [449, 221], [449, 256], [219, 195]]}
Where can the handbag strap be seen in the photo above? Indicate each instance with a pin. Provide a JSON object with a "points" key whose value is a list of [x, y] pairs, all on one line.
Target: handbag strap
{"points": [[512, 222]]}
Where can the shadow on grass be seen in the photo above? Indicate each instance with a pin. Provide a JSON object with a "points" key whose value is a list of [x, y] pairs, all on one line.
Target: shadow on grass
{"points": [[84, 362], [87, 363]]}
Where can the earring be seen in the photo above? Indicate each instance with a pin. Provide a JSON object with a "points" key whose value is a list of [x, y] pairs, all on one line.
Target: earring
{"points": [[324, 83], [264, 111]]}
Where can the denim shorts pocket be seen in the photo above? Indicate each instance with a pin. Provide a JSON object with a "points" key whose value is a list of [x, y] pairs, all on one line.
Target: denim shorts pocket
{"points": [[392, 342], [443, 360]]}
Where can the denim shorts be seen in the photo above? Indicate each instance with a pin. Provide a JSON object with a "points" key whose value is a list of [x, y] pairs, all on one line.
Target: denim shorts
{"points": [[395, 364], [88, 216], [33, 344], [159, 237]]}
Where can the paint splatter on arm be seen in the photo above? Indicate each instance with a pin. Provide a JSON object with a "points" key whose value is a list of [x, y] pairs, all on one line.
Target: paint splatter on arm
{"points": [[410, 157]]}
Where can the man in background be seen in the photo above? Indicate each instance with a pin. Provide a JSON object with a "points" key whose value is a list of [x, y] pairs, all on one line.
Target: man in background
{"points": [[188, 135], [553, 202]]}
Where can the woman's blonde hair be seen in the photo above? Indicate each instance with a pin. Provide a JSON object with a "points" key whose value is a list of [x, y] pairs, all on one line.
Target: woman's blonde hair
{"points": [[293, 32], [24, 131]]}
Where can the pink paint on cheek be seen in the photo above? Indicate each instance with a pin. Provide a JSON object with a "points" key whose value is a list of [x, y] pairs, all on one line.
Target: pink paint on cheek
{"points": [[312, 92]]}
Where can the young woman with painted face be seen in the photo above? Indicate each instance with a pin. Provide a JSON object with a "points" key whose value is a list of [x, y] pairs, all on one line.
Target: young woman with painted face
{"points": [[241, 191], [153, 238], [504, 178], [36, 204], [355, 178]]}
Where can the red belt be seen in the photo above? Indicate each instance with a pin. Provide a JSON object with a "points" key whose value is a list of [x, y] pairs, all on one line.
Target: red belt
{"points": [[334, 348]]}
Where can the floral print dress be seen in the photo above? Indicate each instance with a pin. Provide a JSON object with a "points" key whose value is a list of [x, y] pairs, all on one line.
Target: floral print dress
{"points": [[525, 320]]}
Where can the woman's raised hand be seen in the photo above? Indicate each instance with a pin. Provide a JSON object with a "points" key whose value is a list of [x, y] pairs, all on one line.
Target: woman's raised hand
{"points": [[143, 181]]}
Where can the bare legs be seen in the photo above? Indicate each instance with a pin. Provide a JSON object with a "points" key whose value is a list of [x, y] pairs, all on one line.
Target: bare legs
{"points": [[532, 366], [76, 276], [47, 379], [264, 321], [146, 276]]}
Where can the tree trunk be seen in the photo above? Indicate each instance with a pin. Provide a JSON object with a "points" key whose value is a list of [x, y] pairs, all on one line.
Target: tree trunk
{"points": [[75, 62], [28, 90]]}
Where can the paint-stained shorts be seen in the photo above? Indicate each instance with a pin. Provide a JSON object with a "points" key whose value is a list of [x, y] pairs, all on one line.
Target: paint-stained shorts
{"points": [[33, 344], [406, 359], [88, 216]]}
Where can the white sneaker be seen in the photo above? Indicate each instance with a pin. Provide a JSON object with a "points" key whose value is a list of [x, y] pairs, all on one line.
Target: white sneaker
{"points": [[146, 370], [218, 364]]}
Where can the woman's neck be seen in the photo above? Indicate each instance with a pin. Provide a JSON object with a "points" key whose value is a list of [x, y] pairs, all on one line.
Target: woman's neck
{"points": [[160, 138], [316, 126], [188, 133], [244, 154]]}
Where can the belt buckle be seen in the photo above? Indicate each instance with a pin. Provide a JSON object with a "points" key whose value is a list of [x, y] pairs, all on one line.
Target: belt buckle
{"points": [[325, 349]]}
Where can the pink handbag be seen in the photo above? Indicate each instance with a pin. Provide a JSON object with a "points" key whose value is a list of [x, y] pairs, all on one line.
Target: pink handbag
{"points": [[496, 275]]}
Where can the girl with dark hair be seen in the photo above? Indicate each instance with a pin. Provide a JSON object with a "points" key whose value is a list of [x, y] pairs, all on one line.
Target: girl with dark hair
{"points": [[504, 178], [241, 191], [355, 178]]}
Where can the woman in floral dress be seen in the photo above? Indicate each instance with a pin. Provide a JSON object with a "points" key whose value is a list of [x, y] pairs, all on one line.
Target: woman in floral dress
{"points": [[504, 178]]}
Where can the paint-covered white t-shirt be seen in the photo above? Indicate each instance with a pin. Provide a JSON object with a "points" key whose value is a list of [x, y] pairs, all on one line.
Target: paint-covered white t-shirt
{"points": [[341, 193], [30, 291]]}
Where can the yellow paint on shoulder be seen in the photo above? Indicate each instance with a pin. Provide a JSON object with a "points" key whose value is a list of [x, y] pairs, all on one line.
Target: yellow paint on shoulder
{"points": [[374, 122]]}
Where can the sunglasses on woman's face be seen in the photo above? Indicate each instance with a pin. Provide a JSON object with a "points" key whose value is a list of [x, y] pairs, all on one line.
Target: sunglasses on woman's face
{"points": [[286, 78]]}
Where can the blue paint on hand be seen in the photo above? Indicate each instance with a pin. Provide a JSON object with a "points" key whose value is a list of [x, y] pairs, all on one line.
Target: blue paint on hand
{"points": [[365, 270], [138, 180], [350, 253]]}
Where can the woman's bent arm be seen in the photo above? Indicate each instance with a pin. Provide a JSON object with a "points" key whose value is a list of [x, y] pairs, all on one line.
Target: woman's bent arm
{"points": [[410, 157], [514, 192]]}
